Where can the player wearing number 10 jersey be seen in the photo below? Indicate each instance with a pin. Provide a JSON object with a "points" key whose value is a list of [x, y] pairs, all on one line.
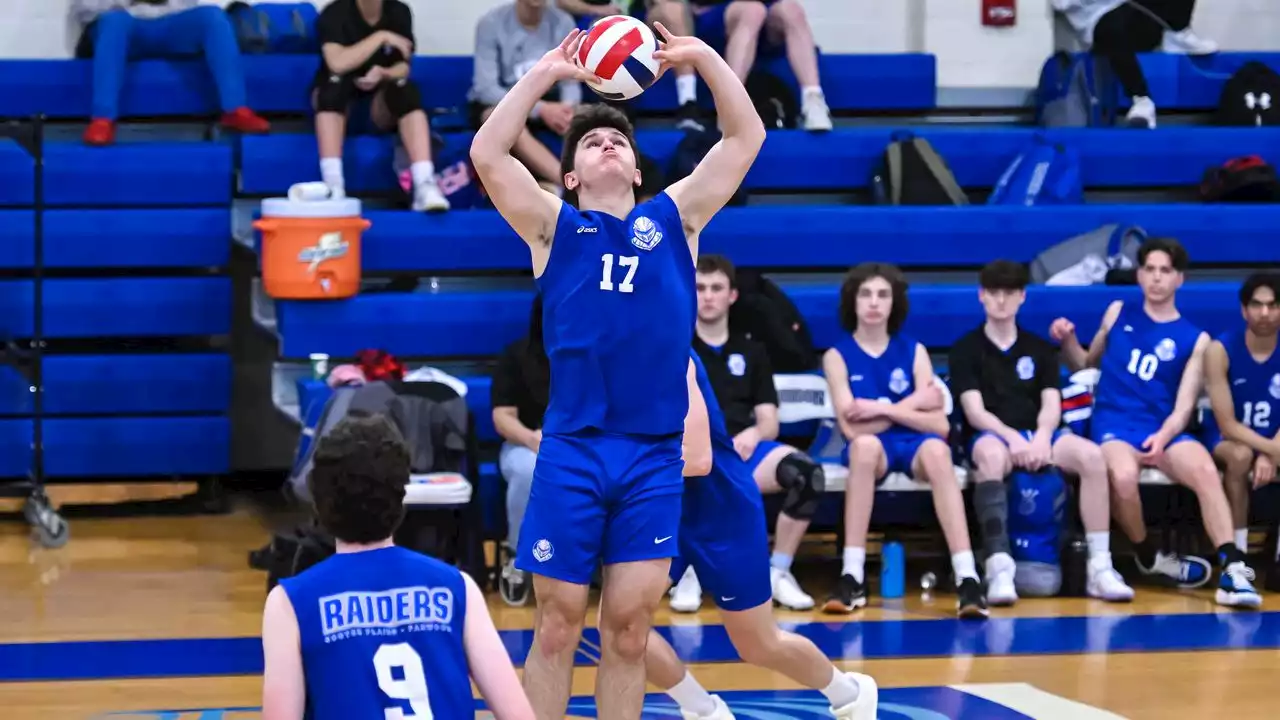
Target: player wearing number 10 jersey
{"points": [[1152, 363], [378, 631]]}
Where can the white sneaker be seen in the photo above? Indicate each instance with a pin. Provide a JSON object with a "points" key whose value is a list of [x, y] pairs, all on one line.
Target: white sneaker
{"points": [[816, 115], [1106, 584], [864, 708], [1235, 588], [427, 197], [722, 712], [787, 592], [1186, 42], [1142, 114], [1000, 587], [686, 596]]}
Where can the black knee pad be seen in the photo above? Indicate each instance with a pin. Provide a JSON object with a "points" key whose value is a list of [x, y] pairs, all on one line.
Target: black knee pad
{"points": [[333, 94], [803, 481], [402, 97]]}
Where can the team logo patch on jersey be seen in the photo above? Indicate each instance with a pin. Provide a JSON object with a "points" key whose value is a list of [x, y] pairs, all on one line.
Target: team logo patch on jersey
{"points": [[898, 382], [542, 550], [645, 233], [737, 365], [1166, 350], [1274, 388], [1027, 505], [1026, 368]]}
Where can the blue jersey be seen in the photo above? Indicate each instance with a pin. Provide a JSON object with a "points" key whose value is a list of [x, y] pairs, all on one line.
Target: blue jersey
{"points": [[382, 629], [888, 378], [618, 315], [1255, 386], [1142, 367]]}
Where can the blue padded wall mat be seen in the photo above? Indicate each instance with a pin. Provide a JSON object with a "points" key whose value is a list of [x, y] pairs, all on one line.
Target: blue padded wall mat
{"points": [[135, 173], [120, 446], [120, 307], [125, 383]]}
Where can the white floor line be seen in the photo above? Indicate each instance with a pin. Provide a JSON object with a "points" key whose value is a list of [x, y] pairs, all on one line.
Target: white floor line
{"points": [[1036, 703]]}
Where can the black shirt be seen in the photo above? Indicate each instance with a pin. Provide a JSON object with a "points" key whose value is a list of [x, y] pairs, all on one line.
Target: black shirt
{"points": [[341, 22], [1011, 381], [741, 377], [521, 382]]}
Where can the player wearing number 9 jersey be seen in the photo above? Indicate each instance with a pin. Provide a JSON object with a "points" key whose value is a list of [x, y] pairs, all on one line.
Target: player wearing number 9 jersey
{"points": [[378, 631], [1152, 363], [1242, 371]]}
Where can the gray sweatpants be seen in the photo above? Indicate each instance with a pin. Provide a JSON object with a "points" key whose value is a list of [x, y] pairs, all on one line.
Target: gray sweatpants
{"points": [[516, 462]]}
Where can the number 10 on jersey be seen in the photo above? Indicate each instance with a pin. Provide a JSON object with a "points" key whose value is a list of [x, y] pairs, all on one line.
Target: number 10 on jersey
{"points": [[628, 263]]}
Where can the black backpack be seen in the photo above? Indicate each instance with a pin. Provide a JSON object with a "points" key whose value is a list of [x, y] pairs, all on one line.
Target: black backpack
{"points": [[764, 313], [774, 100], [912, 173], [1251, 98], [1248, 179], [689, 152]]}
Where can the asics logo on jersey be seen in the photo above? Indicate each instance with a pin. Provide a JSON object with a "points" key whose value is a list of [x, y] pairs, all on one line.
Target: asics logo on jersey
{"points": [[585, 229]]}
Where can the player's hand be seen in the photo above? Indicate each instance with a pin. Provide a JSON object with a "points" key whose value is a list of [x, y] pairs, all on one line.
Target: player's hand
{"points": [[399, 42], [1019, 451], [535, 441], [745, 442], [561, 64], [556, 115], [864, 410], [1152, 449], [1039, 452], [1264, 470], [677, 51], [1061, 329], [371, 79]]}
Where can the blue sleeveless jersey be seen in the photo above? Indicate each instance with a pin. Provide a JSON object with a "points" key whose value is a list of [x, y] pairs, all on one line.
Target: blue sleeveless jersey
{"points": [[1142, 367], [887, 378], [1255, 386], [382, 629], [618, 315]]}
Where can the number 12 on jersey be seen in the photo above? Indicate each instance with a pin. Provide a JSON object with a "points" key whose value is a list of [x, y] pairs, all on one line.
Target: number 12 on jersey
{"points": [[630, 263]]}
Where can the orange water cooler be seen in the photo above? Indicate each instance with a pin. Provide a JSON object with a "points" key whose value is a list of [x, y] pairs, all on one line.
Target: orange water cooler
{"points": [[311, 248]]}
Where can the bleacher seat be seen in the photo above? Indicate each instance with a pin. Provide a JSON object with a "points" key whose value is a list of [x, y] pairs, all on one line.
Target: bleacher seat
{"points": [[844, 159], [1183, 82], [120, 307], [129, 447], [480, 324], [17, 178], [118, 238], [133, 174]]}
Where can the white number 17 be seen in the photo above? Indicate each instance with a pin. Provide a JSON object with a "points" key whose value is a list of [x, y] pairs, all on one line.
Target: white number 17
{"points": [[606, 274]]}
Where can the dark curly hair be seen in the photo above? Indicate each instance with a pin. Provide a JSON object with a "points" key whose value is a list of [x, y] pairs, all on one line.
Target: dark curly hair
{"points": [[360, 469], [854, 281], [586, 119]]}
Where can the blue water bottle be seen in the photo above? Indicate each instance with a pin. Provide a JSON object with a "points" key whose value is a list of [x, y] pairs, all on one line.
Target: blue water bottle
{"points": [[893, 571]]}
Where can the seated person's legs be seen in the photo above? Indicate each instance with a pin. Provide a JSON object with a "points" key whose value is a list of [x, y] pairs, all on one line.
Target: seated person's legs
{"points": [[674, 16], [332, 98], [787, 24], [516, 462], [782, 468], [1236, 460], [112, 35], [992, 464], [867, 463], [397, 104], [733, 29], [1084, 459], [930, 460], [528, 149]]}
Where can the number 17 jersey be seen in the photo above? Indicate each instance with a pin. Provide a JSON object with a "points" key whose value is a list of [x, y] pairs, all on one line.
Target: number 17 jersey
{"points": [[381, 631]]}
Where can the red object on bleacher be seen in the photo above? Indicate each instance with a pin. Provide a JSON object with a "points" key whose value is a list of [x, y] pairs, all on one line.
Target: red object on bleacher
{"points": [[999, 13]]}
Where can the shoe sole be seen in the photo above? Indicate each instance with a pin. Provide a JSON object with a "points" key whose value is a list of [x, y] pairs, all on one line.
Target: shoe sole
{"points": [[972, 612], [835, 607], [1233, 600]]}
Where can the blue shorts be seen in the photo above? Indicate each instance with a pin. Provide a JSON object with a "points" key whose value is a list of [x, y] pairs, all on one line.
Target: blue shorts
{"points": [[724, 538], [763, 448], [1108, 428], [900, 450], [601, 497], [1028, 434], [709, 27]]}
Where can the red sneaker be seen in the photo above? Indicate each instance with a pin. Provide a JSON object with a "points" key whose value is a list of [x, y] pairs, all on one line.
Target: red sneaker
{"points": [[101, 131], [245, 120]]}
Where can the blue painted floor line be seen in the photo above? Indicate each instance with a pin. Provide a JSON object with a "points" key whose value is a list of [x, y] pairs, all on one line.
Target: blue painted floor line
{"points": [[887, 639]]}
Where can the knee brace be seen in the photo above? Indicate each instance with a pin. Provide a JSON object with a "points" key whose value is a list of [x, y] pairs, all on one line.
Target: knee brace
{"points": [[402, 97], [803, 481], [334, 94]]}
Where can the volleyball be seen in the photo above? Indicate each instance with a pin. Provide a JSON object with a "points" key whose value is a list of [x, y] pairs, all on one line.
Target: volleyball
{"points": [[619, 49]]}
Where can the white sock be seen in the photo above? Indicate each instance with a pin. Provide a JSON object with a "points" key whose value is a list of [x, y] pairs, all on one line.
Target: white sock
{"points": [[782, 561], [1099, 543], [854, 560], [691, 696], [331, 173], [1242, 539], [686, 88], [422, 172], [810, 93], [962, 563], [842, 691]]}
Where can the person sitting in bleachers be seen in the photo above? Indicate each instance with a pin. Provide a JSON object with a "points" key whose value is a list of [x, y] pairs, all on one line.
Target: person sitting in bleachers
{"points": [[674, 16], [117, 31], [1120, 29], [735, 28], [519, 396], [365, 49], [510, 39], [739, 372], [890, 409]]}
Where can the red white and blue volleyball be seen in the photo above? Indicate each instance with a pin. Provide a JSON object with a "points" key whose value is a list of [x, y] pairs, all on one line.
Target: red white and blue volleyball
{"points": [[619, 50]]}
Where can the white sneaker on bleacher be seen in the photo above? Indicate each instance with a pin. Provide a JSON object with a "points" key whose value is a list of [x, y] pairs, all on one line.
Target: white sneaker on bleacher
{"points": [[1186, 42], [1000, 587], [816, 116], [1106, 584], [686, 596], [428, 198], [787, 592]]}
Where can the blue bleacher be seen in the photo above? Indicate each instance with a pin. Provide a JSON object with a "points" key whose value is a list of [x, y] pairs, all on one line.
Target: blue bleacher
{"points": [[129, 447], [145, 384], [181, 174], [1184, 82], [473, 324], [119, 238], [120, 307]]}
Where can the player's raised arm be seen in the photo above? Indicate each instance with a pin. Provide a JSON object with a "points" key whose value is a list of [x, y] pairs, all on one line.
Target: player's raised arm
{"points": [[284, 687], [530, 210], [696, 445], [718, 175], [490, 664], [1075, 356]]}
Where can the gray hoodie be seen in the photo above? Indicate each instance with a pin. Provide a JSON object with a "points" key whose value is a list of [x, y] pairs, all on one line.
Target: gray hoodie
{"points": [[86, 11]]}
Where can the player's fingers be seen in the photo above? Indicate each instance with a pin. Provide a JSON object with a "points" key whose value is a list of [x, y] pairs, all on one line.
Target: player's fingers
{"points": [[663, 31], [569, 39]]}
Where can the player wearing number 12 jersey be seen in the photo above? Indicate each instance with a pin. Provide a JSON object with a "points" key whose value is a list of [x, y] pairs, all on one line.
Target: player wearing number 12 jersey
{"points": [[1152, 364], [377, 630], [617, 282]]}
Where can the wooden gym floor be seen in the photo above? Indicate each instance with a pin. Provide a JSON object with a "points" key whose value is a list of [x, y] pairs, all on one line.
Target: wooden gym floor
{"points": [[159, 618]]}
